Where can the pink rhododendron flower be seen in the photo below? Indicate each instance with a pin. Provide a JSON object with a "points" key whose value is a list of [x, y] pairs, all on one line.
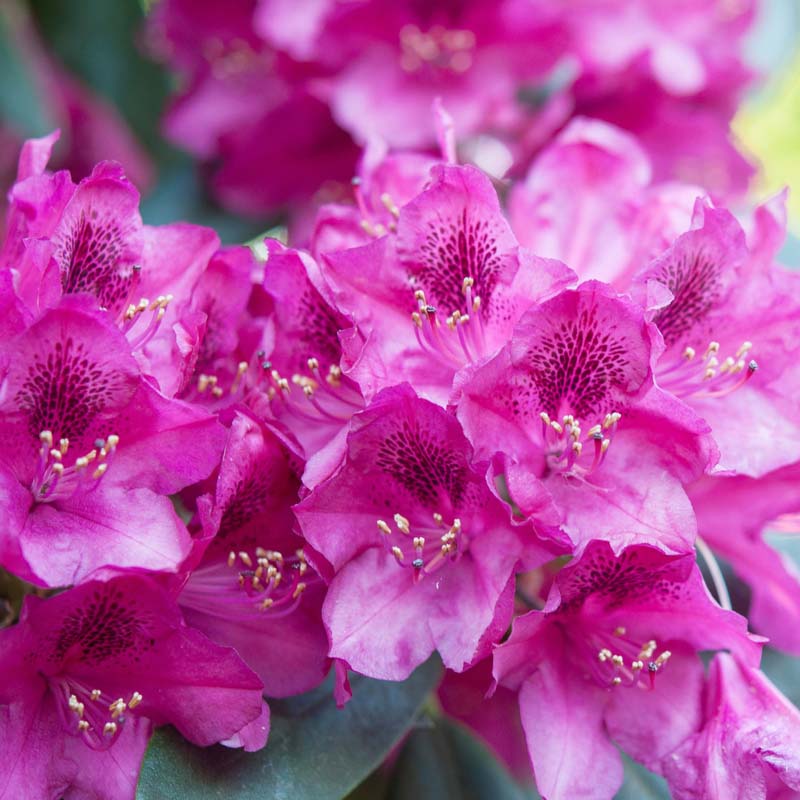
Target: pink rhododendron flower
{"points": [[89, 672], [611, 659], [589, 442], [774, 579], [252, 588], [729, 321], [90, 449], [442, 292], [422, 552], [747, 741]]}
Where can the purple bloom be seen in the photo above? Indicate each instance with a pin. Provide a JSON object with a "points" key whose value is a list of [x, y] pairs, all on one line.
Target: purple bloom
{"points": [[422, 552], [588, 441], [726, 314], [90, 449], [747, 741], [250, 586], [441, 293], [89, 672], [611, 658]]}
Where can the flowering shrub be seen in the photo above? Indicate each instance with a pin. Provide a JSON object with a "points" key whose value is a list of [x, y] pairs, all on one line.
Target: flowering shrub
{"points": [[487, 425]]}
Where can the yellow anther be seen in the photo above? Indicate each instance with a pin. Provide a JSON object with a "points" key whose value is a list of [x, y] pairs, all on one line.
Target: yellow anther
{"points": [[63, 446], [418, 542], [81, 463], [398, 553], [709, 374], [556, 427], [58, 468], [266, 603], [83, 725], [663, 658], [577, 447], [620, 631], [110, 728], [95, 694], [713, 349], [618, 660], [604, 445], [231, 558], [545, 417], [437, 517], [689, 353], [46, 438], [637, 664], [245, 557], [383, 527], [744, 349], [136, 698], [100, 471], [616, 681], [648, 648], [298, 590], [402, 523]]}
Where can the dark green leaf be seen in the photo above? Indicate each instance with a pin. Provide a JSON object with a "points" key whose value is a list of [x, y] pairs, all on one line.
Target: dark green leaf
{"points": [[314, 751], [641, 784], [21, 104], [99, 41], [444, 761]]}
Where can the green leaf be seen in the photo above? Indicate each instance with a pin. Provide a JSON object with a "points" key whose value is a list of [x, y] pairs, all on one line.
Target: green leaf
{"points": [[442, 760], [784, 671], [99, 41], [315, 750], [641, 784], [21, 104]]}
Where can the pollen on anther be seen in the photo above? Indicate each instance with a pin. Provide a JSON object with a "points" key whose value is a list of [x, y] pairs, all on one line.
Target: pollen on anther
{"points": [[110, 728]]}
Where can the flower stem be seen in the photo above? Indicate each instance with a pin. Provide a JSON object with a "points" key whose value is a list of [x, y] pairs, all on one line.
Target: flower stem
{"points": [[716, 574]]}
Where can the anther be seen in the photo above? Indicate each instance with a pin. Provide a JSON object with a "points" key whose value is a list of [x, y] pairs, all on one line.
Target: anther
{"points": [[246, 560], [83, 725], [95, 695], [136, 698], [398, 553], [402, 523], [110, 728], [383, 527]]}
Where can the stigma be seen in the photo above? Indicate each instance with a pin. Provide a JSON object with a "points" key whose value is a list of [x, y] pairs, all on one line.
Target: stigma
{"points": [[572, 452], [457, 338], [708, 375], [56, 479], [95, 715], [424, 548]]}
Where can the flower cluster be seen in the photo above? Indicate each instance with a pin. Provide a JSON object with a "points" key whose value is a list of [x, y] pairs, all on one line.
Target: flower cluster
{"points": [[441, 420], [278, 95], [495, 421]]}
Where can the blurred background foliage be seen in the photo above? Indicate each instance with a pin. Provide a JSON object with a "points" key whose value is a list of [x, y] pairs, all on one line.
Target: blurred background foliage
{"points": [[99, 45]]}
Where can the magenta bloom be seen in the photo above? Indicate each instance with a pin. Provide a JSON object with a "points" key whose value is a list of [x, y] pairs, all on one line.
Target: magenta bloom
{"points": [[589, 442], [89, 238], [422, 552], [90, 449], [611, 659], [738, 537], [589, 200], [441, 293], [251, 587], [730, 323], [747, 742], [86, 674], [300, 373]]}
